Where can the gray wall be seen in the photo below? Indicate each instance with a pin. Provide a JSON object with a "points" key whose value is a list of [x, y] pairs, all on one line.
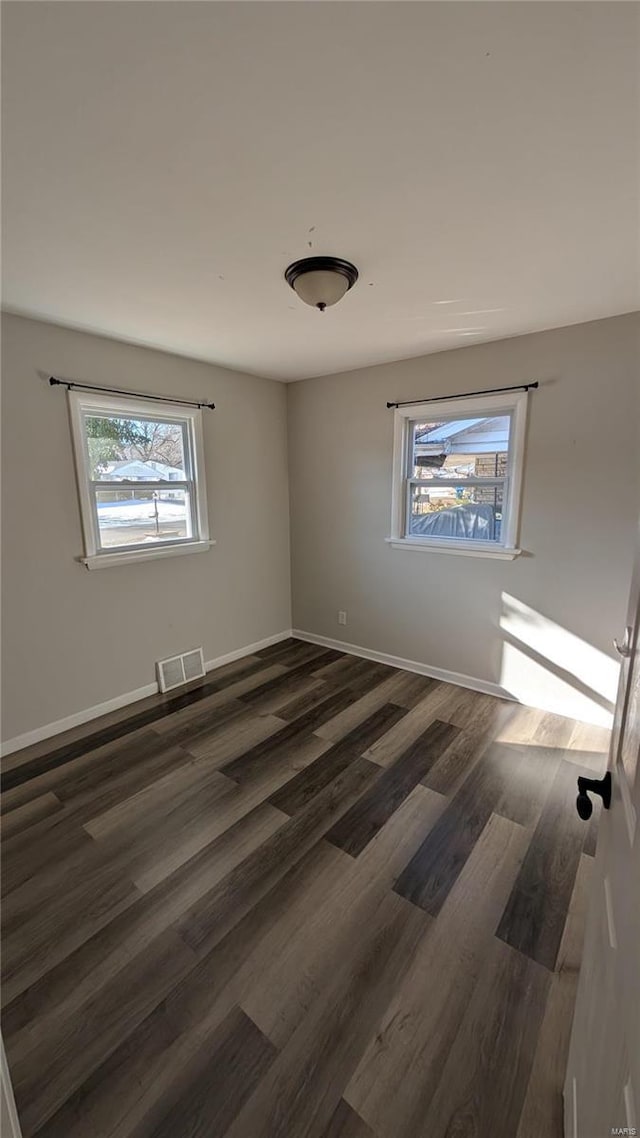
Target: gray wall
{"points": [[579, 518], [73, 638]]}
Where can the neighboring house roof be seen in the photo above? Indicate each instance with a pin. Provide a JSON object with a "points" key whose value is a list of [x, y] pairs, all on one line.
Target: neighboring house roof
{"points": [[447, 430], [466, 436], [137, 470]]}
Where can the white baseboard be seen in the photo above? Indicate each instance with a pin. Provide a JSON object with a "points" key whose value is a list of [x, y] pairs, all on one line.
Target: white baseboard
{"points": [[80, 717], [462, 681]]}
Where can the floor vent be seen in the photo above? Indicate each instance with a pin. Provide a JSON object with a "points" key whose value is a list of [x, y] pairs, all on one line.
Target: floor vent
{"points": [[177, 670]]}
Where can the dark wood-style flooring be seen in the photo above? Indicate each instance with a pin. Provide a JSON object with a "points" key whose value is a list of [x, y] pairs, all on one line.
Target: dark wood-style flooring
{"points": [[314, 897]]}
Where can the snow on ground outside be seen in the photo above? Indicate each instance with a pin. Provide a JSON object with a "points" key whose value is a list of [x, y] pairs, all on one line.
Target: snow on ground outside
{"points": [[138, 511]]}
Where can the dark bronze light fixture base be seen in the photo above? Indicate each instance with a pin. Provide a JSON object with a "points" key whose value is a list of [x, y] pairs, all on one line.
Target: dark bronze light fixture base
{"points": [[318, 295]]}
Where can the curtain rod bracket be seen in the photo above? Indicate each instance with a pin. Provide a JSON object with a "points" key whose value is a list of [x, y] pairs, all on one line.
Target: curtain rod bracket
{"points": [[71, 386], [466, 394]]}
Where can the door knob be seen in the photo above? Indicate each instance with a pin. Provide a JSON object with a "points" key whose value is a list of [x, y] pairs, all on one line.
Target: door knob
{"points": [[601, 786], [624, 649]]}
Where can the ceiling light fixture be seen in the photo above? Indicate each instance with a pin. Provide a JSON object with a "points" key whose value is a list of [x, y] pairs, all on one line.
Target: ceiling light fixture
{"points": [[321, 281]]}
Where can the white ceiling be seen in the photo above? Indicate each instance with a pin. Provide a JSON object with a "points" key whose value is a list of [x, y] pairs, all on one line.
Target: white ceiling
{"points": [[164, 162]]}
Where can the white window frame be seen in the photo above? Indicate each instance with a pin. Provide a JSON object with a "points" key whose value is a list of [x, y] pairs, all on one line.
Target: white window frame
{"points": [[513, 404], [96, 557]]}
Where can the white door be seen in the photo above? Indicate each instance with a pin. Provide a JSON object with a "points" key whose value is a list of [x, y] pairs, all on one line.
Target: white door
{"points": [[9, 1125], [602, 1089]]}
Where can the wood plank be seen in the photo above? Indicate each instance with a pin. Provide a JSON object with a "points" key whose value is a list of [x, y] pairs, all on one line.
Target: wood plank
{"points": [[64, 1059], [150, 805], [212, 917], [506, 782], [171, 833], [287, 680], [253, 759], [522, 726], [535, 915], [362, 676], [484, 1081], [304, 1085], [411, 688], [341, 670], [400, 1070], [588, 746], [292, 652], [161, 840], [47, 843], [158, 850], [312, 955], [121, 756], [366, 817], [449, 772], [433, 871], [542, 1113], [280, 646], [111, 782], [345, 1123], [387, 749], [296, 793], [297, 706], [394, 689], [473, 711], [66, 987], [206, 1097], [125, 1089], [29, 813], [232, 739], [272, 702], [554, 731], [151, 855], [220, 705], [126, 763], [51, 933], [220, 709]]}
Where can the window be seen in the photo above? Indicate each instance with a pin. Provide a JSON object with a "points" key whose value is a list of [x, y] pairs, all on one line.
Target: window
{"points": [[457, 475], [141, 479]]}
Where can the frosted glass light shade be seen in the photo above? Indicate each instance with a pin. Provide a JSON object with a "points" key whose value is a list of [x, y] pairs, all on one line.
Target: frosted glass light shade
{"points": [[321, 288], [321, 281]]}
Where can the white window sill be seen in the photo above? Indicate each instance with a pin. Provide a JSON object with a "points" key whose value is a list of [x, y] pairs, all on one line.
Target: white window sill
{"points": [[108, 560], [460, 548]]}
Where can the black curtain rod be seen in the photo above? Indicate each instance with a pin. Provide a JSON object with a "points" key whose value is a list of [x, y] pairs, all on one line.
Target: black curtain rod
{"points": [[70, 386], [466, 394]]}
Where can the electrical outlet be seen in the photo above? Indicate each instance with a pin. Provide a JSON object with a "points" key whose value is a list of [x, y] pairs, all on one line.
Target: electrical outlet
{"points": [[342, 618]]}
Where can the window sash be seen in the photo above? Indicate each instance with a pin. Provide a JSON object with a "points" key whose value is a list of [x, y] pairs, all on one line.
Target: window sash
{"points": [[184, 426], [139, 485], [488, 484], [496, 480], [189, 490], [451, 417]]}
